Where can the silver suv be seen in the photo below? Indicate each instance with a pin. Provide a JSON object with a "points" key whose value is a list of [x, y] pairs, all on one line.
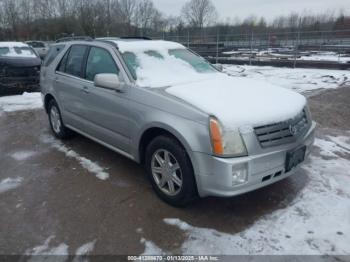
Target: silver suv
{"points": [[197, 131]]}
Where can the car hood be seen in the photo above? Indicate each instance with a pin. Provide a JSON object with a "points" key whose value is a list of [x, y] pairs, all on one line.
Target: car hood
{"points": [[240, 102]]}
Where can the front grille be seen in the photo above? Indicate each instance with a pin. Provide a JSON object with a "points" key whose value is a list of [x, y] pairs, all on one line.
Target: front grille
{"points": [[283, 132], [22, 71]]}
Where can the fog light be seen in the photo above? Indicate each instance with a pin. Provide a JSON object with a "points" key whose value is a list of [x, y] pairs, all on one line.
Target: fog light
{"points": [[239, 174]]}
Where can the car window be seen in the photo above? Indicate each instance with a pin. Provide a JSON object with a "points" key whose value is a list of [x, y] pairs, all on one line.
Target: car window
{"points": [[36, 44], [52, 54], [154, 54], [197, 62], [62, 65], [131, 62], [4, 51], [75, 59], [99, 61]]}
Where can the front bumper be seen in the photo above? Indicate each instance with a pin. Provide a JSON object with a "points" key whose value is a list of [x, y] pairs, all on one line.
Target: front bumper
{"points": [[19, 82], [214, 175]]}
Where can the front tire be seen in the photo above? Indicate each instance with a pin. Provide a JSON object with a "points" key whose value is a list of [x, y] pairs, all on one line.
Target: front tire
{"points": [[56, 123], [170, 171]]}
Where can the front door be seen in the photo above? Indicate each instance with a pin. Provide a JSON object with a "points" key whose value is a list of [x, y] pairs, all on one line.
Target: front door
{"points": [[106, 110]]}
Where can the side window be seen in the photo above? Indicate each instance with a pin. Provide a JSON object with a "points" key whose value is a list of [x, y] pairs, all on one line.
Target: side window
{"points": [[62, 65], [74, 63], [52, 54], [100, 61]]}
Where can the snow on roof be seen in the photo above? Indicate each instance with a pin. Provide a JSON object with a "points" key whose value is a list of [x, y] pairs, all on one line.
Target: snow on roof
{"points": [[12, 44], [145, 45]]}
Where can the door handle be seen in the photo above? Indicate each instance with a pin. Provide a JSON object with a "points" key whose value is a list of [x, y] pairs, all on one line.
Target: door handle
{"points": [[85, 90]]}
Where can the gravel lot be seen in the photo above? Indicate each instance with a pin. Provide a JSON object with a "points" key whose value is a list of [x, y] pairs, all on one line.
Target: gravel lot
{"points": [[77, 197]]}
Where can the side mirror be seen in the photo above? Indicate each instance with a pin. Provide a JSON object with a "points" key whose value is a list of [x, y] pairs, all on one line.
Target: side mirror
{"points": [[109, 81], [219, 67]]}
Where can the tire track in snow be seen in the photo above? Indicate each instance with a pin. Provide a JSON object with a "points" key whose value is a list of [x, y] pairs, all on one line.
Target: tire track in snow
{"points": [[89, 165]]}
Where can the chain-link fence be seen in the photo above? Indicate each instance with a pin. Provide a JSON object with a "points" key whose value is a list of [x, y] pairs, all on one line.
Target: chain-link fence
{"points": [[291, 48]]}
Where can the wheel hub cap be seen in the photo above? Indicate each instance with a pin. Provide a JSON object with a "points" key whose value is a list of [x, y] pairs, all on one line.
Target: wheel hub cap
{"points": [[55, 119], [166, 172]]}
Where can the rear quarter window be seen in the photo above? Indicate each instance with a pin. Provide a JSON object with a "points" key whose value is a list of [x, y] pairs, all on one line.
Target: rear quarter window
{"points": [[52, 54]]}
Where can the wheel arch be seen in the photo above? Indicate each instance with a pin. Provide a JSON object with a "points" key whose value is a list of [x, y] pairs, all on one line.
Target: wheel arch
{"points": [[158, 130], [47, 99]]}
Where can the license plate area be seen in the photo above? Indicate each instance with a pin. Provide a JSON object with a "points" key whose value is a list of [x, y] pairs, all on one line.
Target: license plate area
{"points": [[294, 158]]}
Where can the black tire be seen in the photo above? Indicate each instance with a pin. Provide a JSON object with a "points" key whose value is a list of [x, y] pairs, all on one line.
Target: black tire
{"points": [[188, 191], [63, 132]]}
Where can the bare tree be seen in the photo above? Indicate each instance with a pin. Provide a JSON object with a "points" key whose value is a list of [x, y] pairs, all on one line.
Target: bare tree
{"points": [[145, 15], [199, 13], [51, 19], [126, 11], [87, 16], [26, 13], [11, 16]]}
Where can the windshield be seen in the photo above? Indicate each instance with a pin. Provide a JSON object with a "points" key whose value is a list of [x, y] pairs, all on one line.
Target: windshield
{"points": [[157, 68], [17, 51], [4, 51]]}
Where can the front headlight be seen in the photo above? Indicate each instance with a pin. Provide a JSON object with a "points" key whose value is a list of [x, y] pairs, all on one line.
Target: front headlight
{"points": [[226, 143]]}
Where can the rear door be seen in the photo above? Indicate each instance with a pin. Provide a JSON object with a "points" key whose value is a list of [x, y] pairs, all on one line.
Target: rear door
{"points": [[69, 85]]}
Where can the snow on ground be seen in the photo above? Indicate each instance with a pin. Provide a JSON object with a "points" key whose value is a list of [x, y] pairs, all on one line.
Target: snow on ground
{"points": [[9, 184], [48, 250], [45, 251], [23, 155], [327, 56], [92, 167], [27, 101], [299, 79], [86, 248], [151, 248], [317, 221]]}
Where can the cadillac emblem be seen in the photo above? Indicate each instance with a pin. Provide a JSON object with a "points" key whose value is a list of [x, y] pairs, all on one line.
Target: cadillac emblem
{"points": [[293, 130]]}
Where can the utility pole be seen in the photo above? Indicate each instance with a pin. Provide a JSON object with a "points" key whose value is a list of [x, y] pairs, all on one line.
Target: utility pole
{"points": [[296, 48], [217, 46], [188, 38], [251, 48]]}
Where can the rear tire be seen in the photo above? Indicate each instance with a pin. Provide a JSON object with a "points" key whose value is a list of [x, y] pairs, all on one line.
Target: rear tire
{"points": [[56, 123], [170, 171]]}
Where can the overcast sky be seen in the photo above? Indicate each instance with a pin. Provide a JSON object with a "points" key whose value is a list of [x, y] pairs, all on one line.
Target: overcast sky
{"points": [[266, 8]]}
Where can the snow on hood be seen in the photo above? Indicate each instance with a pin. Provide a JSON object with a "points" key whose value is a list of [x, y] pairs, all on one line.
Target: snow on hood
{"points": [[239, 102]]}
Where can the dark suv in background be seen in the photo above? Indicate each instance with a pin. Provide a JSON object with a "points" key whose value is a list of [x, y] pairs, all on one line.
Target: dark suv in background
{"points": [[19, 68]]}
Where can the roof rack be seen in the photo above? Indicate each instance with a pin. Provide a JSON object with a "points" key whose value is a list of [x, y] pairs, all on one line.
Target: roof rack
{"points": [[136, 37], [74, 38], [110, 40]]}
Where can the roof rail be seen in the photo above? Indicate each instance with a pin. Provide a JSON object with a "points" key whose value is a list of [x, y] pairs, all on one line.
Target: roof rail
{"points": [[74, 38], [136, 37]]}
